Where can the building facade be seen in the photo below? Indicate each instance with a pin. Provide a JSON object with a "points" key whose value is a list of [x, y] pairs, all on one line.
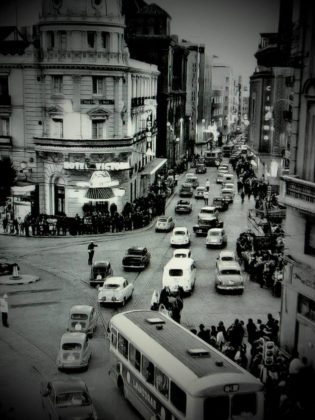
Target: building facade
{"points": [[80, 105]]}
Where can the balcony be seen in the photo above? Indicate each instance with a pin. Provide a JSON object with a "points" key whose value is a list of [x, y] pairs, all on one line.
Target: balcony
{"points": [[44, 143], [86, 57], [299, 194], [5, 142]]}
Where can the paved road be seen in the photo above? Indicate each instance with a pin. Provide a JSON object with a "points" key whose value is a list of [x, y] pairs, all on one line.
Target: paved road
{"points": [[38, 313]]}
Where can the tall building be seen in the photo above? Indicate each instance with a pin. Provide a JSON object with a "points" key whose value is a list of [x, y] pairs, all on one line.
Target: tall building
{"points": [[148, 35], [77, 114], [298, 296]]}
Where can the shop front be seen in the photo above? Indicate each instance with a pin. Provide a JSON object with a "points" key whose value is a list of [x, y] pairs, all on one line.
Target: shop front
{"points": [[23, 200], [149, 175]]}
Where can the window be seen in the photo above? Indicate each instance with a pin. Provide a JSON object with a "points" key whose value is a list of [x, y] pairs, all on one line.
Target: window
{"points": [[97, 129], [57, 128], [4, 126], [105, 40], [148, 370], [178, 399], [216, 407], [306, 307], [91, 39], [123, 346], [50, 40], [97, 85], [244, 405], [4, 86], [175, 272], [57, 82], [161, 382], [62, 40], [114, 337], [309, 238], [134, 357]]}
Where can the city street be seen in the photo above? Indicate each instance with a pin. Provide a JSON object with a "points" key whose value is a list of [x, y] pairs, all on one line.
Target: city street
{"points": [[38, 312]]}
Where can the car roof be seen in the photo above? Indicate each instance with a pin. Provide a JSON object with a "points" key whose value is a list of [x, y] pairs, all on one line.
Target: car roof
{"points": [[179, 262], [68, 385], [163, 217], [229, 264], [136, 248], [70, 337], [180, 229], [101, 263], [201, 188], [227, 253], [114, 280], [225, 190], [82, 309], [181, 251], [215, 230], [208, 208]]}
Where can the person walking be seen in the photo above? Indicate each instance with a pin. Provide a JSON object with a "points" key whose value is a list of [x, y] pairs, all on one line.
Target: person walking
{"points": [[207, 184], [91, 247], [242, 196], [206, 197], [4, 307]]}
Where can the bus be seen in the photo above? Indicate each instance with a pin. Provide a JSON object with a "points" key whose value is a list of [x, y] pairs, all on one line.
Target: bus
{"points": [[227, 149], [169, 373], [213, 157]]}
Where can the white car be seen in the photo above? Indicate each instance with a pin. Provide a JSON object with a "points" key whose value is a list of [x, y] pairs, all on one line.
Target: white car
{"points": [[206, 213], [229, 186], [224, 168], [74, 352], [227, 195], [199, 192], [190, 175], [115, 290], [164, 224], [179, 273], [229, 277], [216, 237], [180, 237], [182, 253], [226, 256]]}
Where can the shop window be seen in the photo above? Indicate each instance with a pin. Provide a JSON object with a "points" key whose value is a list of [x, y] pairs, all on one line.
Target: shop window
{"points": [[123, 346], [91, 39], [4, 126], [98, 129], [57, 84], [309, 238], [134, 357]]}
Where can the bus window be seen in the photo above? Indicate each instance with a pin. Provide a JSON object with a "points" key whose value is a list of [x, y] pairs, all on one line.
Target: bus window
{"points": [[217, 408], [161, 382], [114, 337], [134, 357], [123, 346], [244, 405], [148, 370], [178, 398]]}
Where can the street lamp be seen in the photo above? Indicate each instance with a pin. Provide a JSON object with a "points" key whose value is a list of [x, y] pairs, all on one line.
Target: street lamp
{"points": [[175, 142]]}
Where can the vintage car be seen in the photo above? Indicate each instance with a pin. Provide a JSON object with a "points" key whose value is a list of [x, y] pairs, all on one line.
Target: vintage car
{"points": [[180, 237], [226, 256], [179, 273], [186, 190], [206, 213], [227, 195], [99, 271], [164, 224], [201, 229], [199, 192], [213, 157], [67, 398], [74, 352], [200, 168], [183, 206], [136, 258], [216, 237], [193, 181], [229, 277], [182, 253], [220, 204], [115, 290], [82, 318]]}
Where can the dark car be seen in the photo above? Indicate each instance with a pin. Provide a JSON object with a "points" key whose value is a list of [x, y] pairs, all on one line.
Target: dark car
{"points": [[201, 168], [183, 206], [186, 190], [6, 268], [100, 270], [201, 229], [136, 258], [220, 204]]}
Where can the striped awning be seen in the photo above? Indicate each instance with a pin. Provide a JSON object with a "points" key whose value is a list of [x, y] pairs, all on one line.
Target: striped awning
{"points": [[99, 193]]}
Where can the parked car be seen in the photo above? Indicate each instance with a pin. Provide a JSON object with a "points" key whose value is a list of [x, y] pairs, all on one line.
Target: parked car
{"points": [[201, 168], [99, 271], [202, 228], [227, 195], [115, 290], [136, 258], [164, 224], [182, 253], [206, 213], [67, 398], [229, 277], [216, 237], [179, 272], [193, 181], [220, 204], [82, 318], [74, 351], [226, 256], [183, 206], [199, 192], [180, 237], [186, 190]]}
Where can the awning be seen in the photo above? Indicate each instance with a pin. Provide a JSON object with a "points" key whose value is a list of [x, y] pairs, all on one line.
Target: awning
{"points": [[99, 194], [22, 190], [153, 166]]}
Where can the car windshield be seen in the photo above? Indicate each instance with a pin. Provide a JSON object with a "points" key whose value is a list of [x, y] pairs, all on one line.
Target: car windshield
{"points": [[215, 233], [111, 286], [227, 258], [179, 232], [135, 251], [71, 346], [99, 271], [230, 271], [180, 255], [79, 316], [217, 201], [162, 219], [207, 211], [183, 202], [71, 399]]}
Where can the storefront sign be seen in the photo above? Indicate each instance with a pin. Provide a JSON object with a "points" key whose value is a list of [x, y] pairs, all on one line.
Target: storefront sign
{"points": [[97, 101], [102, 166]]}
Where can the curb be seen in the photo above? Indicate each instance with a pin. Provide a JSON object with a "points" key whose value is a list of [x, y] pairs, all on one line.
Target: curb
{"points": [[24, 279]]}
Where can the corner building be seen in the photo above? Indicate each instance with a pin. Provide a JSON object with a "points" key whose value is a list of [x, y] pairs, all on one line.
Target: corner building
{"points": [[82, 106]]}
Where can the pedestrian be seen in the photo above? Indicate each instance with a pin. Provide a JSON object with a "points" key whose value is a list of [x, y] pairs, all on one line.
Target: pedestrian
{"points": [[91, 247], [242, 196], [206, 197], [4, 307], [251, 331], [204, 334], [207, 184]]}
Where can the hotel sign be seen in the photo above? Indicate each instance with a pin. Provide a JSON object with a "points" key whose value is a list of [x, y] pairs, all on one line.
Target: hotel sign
{"points": [[100, 166], [97, 101]]}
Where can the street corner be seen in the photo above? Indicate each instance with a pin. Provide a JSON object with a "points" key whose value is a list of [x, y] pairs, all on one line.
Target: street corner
{"points": [[20, 279]]}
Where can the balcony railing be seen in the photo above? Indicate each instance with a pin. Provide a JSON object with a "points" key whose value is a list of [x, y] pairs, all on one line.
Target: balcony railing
{"points": [[87, 143], [300, 193]]}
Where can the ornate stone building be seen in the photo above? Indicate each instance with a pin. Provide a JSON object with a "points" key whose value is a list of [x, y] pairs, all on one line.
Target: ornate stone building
{"points": [[79, 104]]}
